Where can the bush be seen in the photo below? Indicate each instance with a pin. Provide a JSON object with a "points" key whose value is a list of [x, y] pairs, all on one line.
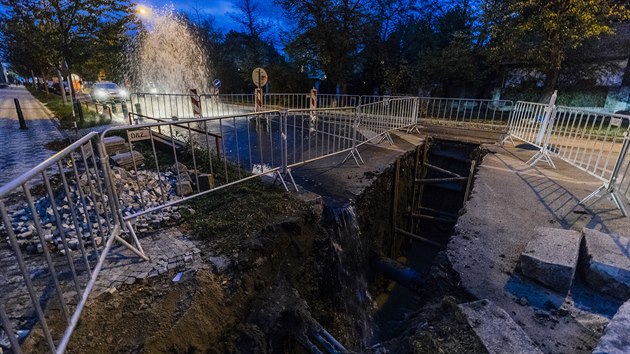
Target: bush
{"points": [[63, 111]]}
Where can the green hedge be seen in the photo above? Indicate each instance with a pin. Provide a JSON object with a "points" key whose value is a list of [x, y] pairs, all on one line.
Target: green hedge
{"points": [[63, 111]]}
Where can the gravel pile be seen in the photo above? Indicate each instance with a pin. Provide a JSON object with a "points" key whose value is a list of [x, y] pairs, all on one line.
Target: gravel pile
{"points": [[138, 192]]}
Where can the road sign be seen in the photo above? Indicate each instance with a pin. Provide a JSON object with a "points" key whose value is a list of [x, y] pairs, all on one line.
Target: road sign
{"points": [[216, 83], [259, 76]]}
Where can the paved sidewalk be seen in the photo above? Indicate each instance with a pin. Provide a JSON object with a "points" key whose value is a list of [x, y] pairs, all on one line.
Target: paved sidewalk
{"points": [[23, 149]]}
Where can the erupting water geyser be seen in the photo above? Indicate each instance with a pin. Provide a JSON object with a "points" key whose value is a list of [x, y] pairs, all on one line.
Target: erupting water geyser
{"points": [[166, 56]]}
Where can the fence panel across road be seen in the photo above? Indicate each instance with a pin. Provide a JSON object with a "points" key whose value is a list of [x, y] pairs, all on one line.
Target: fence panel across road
{"points": [[61, 222]]}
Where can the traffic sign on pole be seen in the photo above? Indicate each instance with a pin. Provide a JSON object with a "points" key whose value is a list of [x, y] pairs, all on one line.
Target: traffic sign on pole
{"points": [[259, 76]]}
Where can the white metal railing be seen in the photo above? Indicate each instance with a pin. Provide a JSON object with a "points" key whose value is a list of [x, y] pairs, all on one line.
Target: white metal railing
{"points": [[378, 119], [317, 134], [63, 213], [463, 110], [594, 142], [162, 105]]}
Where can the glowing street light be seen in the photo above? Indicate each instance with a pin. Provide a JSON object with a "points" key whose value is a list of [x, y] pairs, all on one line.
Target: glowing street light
{"points": [[144, 11]]}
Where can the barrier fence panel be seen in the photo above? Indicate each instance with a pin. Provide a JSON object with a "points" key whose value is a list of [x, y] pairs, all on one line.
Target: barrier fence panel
{"points": [[176, 160], [163, 105], [377, 120], [60, 221], [334, 101], [225, 105], [622, 181], [593, 142], [462, 110], [369, 99], [316, 134], [588, 140], [527, 123]]}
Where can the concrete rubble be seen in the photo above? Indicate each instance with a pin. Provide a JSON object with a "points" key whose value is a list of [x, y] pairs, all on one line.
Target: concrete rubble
{"points": [[552, 257], [606, 263], [496, 329], [616, 339], [93, 217]]}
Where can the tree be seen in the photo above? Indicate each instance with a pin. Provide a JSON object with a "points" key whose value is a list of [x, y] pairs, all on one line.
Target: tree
{"points": [[25, 39], [79, 31], [327, 35], [540, 33]]}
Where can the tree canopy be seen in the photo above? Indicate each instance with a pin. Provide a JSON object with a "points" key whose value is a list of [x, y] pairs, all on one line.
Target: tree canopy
{"points": [[428, 47]]}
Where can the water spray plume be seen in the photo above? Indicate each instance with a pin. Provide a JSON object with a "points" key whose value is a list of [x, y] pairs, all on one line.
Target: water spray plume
{"points": [[166, 56]]}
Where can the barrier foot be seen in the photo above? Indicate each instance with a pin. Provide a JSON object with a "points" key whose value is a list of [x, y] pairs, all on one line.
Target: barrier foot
{"points": [[356, 156], [606, 192], [387, 137], [281, 176], [541, 155], [137, 249], [508, 137], [414, 129]]}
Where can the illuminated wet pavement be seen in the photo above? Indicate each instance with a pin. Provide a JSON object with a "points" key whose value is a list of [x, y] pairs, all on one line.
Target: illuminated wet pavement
{"points": [[23, 149]]}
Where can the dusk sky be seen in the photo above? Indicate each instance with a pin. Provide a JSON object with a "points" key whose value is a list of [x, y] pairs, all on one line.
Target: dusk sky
{"points": [[221, 9]]}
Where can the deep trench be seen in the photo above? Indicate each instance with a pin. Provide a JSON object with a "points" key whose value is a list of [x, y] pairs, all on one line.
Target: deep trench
{"points": [[311, 276], [364, 231]]}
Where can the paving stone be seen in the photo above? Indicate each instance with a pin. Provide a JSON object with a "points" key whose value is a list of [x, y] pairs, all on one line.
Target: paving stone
{"points": [[605, 261], [496, 329], [616, 339], [551, 258]]}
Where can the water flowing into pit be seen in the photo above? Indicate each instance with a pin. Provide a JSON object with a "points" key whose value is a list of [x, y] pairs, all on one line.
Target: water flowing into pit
{"points": [[167, 56]]}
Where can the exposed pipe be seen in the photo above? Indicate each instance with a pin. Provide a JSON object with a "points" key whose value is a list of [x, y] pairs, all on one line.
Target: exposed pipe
{"points": [[333, 341], [308, 345], [397, 272]]}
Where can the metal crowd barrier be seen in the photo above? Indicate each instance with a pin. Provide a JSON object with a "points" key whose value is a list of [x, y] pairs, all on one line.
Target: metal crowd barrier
{"points": [[198, 156], [376, 120], [528, 122], [317, 134], [594, 142], [217, 152], [60, 222], [463, 110], [160, 105], [224, 105]]}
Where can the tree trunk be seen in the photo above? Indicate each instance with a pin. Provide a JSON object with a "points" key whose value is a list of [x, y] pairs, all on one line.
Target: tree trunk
{"points": [[45, 82], [61, 87], [551, 80]]}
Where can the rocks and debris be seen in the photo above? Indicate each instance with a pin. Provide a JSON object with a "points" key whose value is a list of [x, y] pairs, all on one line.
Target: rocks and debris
{"points": [[136, 191], [5, 343], [115, 144], [616, 340], [220, 264], [496, 329], [551, 258], [605, 263], [128, 160]]}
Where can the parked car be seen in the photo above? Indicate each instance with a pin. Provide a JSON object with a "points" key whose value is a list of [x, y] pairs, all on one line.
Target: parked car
{"points": [[105, 91], [55, 88]]}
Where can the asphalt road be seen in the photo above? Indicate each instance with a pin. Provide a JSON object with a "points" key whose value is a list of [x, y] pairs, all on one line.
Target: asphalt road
{"points": [[21, 150]]}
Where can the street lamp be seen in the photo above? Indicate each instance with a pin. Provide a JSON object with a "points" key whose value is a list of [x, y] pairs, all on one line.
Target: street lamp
{"points": [[144, 11]]}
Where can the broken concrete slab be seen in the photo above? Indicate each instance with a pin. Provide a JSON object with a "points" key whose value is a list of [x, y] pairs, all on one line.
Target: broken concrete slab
{"points": [[551, 258], [615, 339], [605, 261], [496, 329]]}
